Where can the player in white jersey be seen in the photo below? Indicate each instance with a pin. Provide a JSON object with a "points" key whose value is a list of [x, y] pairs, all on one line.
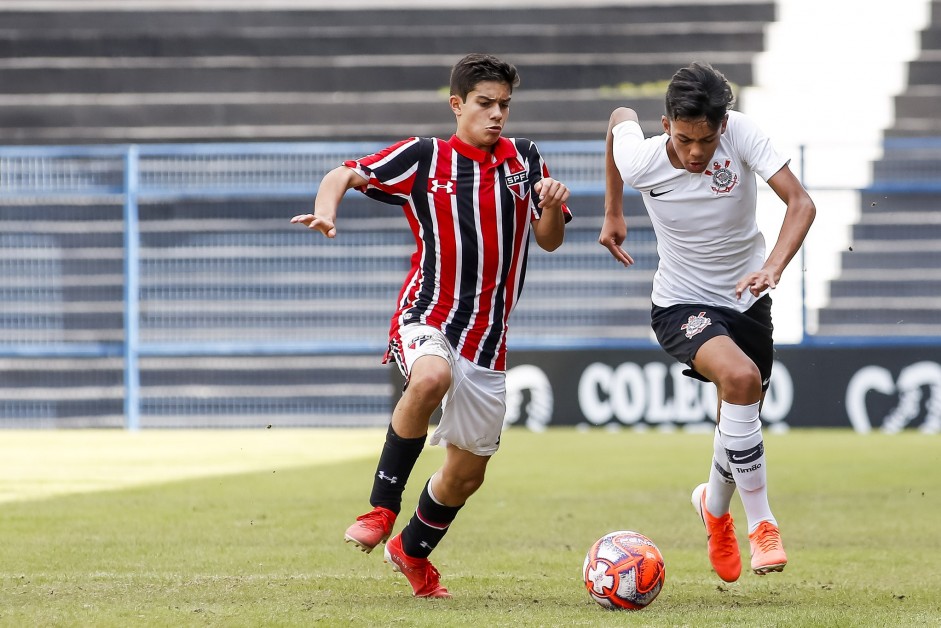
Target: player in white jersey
{"points": [[711, 309]]}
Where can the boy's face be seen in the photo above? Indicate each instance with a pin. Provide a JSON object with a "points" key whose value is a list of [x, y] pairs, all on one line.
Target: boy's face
{"points": [[692, 144], [480, 118]]}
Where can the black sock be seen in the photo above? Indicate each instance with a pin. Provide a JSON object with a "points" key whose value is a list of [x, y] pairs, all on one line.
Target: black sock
{"points": [[395, 464], [427, 526]]}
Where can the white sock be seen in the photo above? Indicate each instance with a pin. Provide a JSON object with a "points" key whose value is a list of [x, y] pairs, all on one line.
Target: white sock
{"points": [[756, 507], [740, 435], [721, 485]]}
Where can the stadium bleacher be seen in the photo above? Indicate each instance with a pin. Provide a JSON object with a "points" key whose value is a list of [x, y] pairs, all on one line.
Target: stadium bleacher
{"points": [[224, 270], [889, 284], [171, 76]]}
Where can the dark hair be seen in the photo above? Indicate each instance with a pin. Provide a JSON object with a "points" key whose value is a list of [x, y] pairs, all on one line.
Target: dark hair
{"points": [[476, 68], [699, 91]]}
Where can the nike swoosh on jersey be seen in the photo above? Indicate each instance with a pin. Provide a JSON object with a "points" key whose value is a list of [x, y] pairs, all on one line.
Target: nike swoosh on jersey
{"points": [[655, 194]]}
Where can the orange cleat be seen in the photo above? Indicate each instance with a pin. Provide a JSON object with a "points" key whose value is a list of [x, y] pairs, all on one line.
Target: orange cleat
{"points": [[371, 529], [720, 539], [767, 550], [421, 574]]}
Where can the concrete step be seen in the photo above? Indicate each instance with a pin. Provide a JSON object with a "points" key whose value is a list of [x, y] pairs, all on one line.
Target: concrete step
{"points": [[48, 324], [926, 69], [209, 75], [877, 202], [141, 21], [22, 216], [931, 37], [899, 328], [361, 293], [263, 371], [55, 263], [922, 101], [902, 288], [912, 260], [915, 168], [381, 133], [278, 75], [902, 233], [371, 39], [52, 296], [914, 127], [893, 319], [337, 114], [271, 389]]}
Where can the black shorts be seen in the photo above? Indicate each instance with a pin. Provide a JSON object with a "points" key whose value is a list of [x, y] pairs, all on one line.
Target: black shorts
{"points": [[682, 329]]}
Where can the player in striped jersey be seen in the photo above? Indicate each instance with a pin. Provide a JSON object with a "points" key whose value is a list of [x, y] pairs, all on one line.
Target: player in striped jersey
{"points": [[471, 202]]}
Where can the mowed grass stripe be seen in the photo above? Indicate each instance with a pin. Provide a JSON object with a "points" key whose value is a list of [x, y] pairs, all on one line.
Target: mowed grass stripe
{"points": [[37, 464]]}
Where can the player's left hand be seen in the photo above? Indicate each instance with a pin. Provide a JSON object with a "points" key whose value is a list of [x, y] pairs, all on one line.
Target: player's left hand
{"points": [[756, 283], [551, 193]]}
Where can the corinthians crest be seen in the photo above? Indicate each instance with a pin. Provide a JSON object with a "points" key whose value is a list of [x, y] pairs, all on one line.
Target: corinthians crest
{"points": [[723, 179], [695, 324]]}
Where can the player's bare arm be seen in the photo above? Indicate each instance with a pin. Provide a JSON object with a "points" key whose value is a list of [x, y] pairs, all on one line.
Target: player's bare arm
{"points": [[332, 188], [797, 220], [614, 228], [550, 228]]}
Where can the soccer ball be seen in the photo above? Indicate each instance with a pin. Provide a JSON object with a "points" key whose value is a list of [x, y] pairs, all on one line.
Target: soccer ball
{"points": [[624, 570]]}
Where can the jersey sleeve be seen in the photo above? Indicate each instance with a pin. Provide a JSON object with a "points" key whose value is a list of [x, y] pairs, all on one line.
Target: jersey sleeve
{"points": [[390, 173], [538, 170], [755, 147], [630, 160]]}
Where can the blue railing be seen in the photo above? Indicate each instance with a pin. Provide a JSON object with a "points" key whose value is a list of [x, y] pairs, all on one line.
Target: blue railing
{"points": [[148, 175]]}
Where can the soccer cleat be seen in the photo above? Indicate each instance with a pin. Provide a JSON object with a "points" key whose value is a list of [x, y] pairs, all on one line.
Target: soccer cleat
{"points": [[371, 529], [421, 574], [721, 543], [767, 550]]}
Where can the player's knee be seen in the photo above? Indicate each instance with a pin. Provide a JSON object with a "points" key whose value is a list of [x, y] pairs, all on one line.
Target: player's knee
{"points": [[741, 383], [431, 382]]}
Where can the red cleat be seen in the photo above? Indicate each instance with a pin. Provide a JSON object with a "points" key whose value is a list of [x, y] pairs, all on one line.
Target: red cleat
{"points": [[421, 574], [720, 539], [767, 550], [371, 529]]}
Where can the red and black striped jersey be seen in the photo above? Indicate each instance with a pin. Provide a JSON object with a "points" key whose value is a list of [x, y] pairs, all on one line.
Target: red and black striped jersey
{"points": [[469, 211]]}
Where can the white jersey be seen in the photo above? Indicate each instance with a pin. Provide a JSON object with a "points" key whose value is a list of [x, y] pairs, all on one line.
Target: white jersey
{"points": [[707, 233]]}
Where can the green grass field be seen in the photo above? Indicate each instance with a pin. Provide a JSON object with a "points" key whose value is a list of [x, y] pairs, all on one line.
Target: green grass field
{"points": [[190, 541]]}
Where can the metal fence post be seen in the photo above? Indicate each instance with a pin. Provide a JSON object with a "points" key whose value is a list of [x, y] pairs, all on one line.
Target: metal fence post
{"points": [[131, 290], [803, 256]]}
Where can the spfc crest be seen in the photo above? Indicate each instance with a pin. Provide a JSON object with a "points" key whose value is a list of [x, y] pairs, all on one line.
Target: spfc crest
{"points": [[723, 179], [518, 183]]}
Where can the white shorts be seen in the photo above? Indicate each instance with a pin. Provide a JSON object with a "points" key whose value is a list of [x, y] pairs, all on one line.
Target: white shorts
{"points": [[474, 408]]}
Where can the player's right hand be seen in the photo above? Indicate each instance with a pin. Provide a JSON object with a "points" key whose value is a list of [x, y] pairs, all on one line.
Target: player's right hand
{"points": [[613, 234], [316, 223]]}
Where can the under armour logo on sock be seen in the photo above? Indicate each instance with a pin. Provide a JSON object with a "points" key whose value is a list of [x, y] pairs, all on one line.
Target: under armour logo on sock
{"points": [[383, 476]]}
